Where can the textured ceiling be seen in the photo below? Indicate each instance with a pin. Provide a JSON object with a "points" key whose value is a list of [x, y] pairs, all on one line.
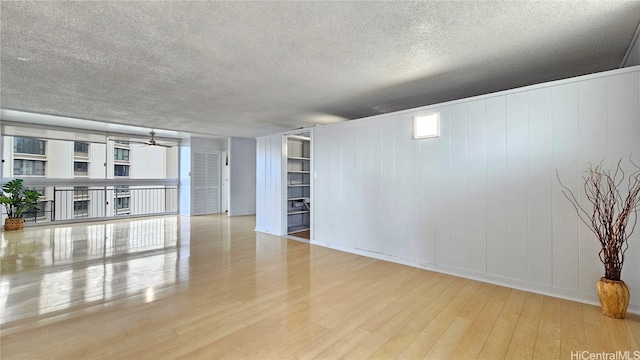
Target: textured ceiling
{"points": [[253, 68]]}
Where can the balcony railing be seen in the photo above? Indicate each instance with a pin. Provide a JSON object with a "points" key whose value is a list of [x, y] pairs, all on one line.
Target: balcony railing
{"points": [[77, 201]]}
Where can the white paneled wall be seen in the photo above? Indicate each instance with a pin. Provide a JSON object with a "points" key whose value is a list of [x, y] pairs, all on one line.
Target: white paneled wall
{"points": [[482, 200], [242, 158], [269, 196]]}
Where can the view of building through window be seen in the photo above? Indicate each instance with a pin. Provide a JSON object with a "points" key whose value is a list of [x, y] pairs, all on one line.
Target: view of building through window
{"points": [[29, 167], [83, 163], [24, 145], [80, 148], [121, 154]]}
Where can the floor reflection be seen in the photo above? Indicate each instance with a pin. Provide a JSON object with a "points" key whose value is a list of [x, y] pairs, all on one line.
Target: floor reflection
{"points": [[49, 269]]}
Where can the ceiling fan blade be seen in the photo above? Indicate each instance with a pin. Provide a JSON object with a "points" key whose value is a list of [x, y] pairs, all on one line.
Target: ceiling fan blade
{"points": [[154, 143], [150, 142], [129, 140], [139, 142]]}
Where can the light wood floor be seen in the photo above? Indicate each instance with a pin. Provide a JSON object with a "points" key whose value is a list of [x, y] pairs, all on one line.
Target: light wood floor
{"points": [[209, 287]]}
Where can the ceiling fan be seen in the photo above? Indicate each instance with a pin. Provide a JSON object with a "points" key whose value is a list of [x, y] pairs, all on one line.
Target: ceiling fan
{"points": [[151, 142]]}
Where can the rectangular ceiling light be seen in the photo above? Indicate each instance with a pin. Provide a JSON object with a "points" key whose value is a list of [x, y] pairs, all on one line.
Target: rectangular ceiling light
{"points": [[426, 126]]}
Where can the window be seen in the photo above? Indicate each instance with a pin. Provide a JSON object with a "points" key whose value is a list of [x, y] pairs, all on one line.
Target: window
{"points": [[122, 203], [80, 191], [122, 189], [121, 170], [28, 167], [121, 154], [80, 168], [426, 126], [121, 142], [81, 208], [24, 145], [81, 148]]}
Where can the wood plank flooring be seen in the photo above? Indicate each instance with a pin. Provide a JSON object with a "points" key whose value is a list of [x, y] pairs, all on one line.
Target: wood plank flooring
{"points": [[209, 287]]}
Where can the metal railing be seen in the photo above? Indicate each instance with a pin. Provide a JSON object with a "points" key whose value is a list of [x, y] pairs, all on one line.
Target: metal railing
{"points": [[68, 203]]}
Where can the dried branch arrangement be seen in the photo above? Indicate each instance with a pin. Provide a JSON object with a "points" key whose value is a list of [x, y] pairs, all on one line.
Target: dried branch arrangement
{"points": [[613, 208]]}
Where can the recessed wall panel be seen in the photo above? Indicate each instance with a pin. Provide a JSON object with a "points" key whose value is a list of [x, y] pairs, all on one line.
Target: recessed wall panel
{"points": [[443, 191], [565, 226], [407, 185], [459, 185], [389, 203], [623, 135], [349, 209], [592, 134], [496, 186], [517, 189], [428, 207], [476, 257], [540, 176], [368, 172]]}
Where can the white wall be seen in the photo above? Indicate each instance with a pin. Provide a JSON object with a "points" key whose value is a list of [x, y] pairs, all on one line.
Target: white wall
{"points": [[148, 162], [269, 184], [59, 159], [206, 143], [97, 167], [633, 56], [242, 175], [185, 179], [482, 200]]}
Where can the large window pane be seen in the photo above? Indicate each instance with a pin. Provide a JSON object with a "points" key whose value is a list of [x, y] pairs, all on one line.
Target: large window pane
{"points": [[121, 154], [120, 189], [121, 170], [122, 203], [28, 167], [81, 148], [24, 145], [81, 208], [80, 168], [81, 205], [80, 192]]}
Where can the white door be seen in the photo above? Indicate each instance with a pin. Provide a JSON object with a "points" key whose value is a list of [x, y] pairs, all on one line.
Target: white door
{"points": [[206, 182]]}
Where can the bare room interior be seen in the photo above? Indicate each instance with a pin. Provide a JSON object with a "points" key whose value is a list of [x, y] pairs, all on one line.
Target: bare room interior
{"points": [[318, 180]]}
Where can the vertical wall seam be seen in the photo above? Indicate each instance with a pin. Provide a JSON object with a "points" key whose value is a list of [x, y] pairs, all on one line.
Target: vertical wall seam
{"points": [[450, 184], [466, 156], [506, 187], [576, 182], [606, 121], [421, 257], [486, 207], [551, 152], [528, 120]]}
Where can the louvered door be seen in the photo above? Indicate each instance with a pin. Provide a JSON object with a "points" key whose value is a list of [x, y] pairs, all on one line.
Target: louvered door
{"points": [[206, 182]]}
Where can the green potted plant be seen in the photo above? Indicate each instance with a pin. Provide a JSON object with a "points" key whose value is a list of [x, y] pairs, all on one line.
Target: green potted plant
{"points": [[614, 205], [17, 201]]}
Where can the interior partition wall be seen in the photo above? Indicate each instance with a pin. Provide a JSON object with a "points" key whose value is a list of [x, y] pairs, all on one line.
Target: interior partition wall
{"points": [[482, 200], [270, 154]]}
